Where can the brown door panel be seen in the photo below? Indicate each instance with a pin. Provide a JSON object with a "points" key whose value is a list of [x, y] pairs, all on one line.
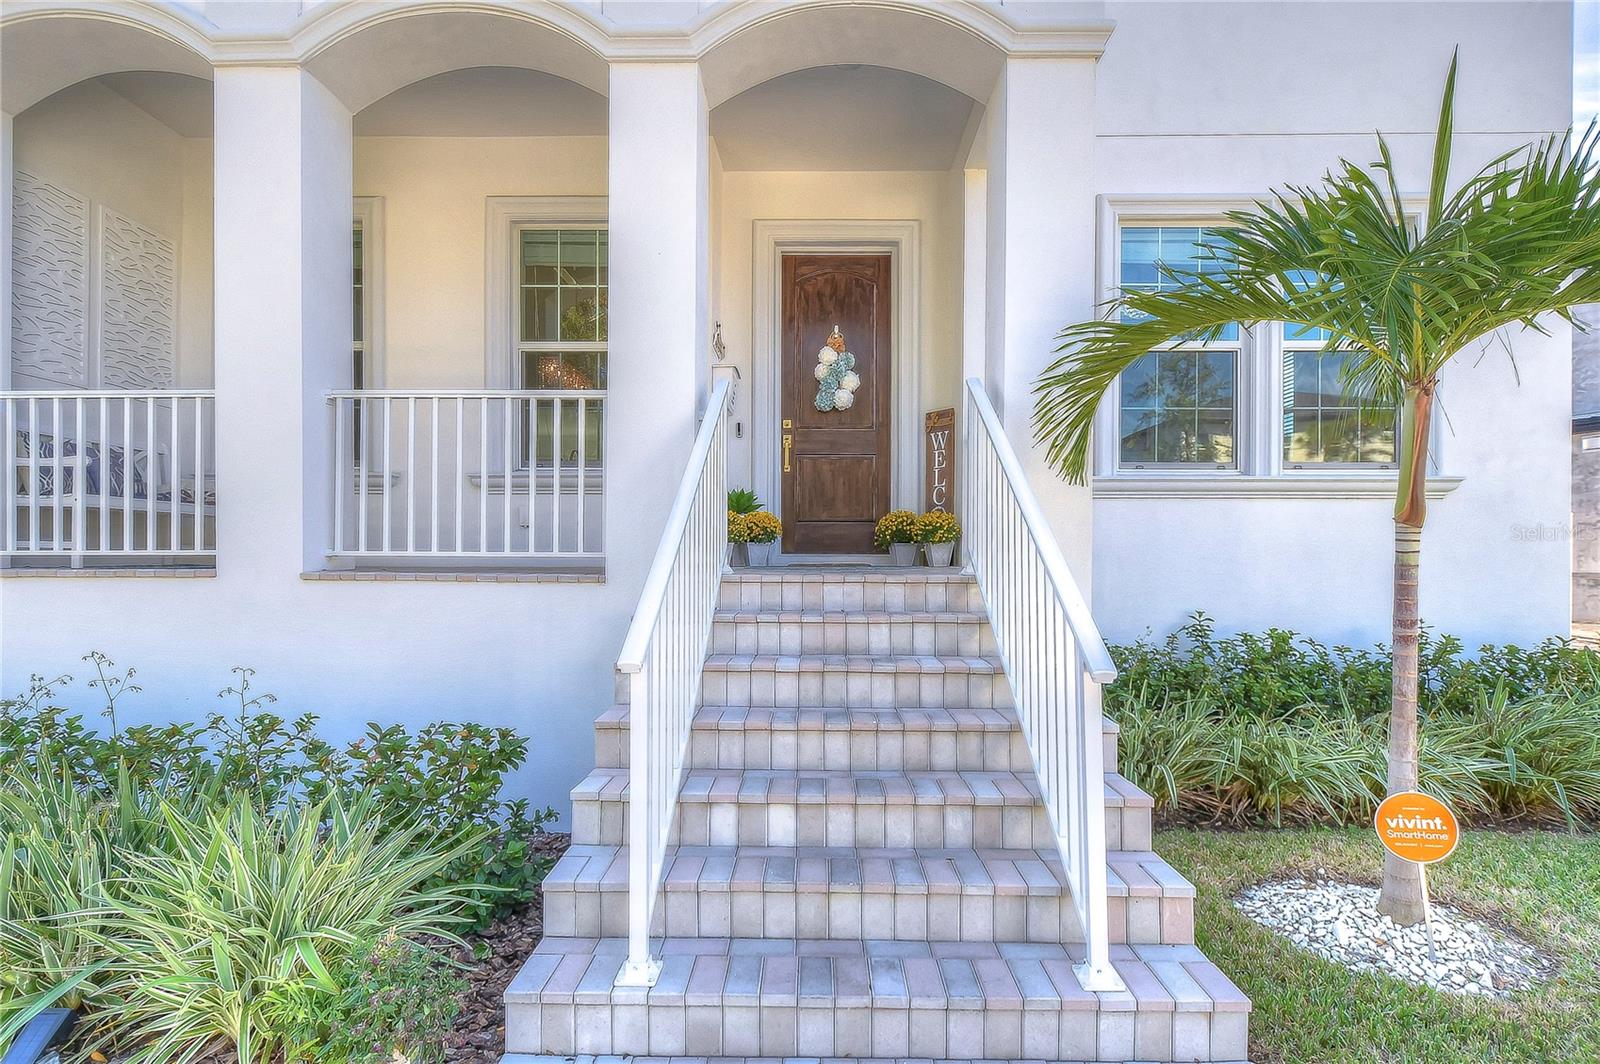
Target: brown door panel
{"points": [[836, 487], [836, 483]]}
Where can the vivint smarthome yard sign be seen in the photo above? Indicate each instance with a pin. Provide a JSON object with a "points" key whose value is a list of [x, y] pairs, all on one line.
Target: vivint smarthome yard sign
{"points": [[1417, 827]]}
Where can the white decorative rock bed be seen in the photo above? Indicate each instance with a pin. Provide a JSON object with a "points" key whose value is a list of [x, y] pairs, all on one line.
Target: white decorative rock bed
{"points": [[1340, 921]]}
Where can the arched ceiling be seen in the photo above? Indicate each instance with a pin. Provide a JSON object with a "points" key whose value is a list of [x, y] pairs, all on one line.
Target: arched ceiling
{"points": [[917, 41], [41, 56], [486, 102], [180, 102], [380, 57], [843, 118]]}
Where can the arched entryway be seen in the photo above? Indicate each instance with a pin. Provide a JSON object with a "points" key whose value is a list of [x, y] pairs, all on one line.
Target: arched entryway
{"points": [[107, 354]]}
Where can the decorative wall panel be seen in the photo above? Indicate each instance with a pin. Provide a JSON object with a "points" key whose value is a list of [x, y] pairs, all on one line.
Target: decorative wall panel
{"points": [[138, 305], [49, 283]]}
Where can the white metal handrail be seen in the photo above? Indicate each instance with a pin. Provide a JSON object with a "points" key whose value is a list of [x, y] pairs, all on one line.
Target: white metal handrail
{"points": [[1054, 656], [446, 474], [662, 656], [112, 474]]}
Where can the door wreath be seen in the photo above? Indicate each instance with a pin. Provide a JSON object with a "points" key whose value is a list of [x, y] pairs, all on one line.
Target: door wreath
{"points": [[836, 378]]}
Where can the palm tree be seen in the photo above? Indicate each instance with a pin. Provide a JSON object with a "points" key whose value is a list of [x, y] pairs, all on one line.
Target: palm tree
{"points": [[1517, 242]]}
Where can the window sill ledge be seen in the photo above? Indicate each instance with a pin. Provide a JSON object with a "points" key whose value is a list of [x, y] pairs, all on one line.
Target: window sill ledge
{"points": [[395, 576], [105, 571], [1288, 486]]}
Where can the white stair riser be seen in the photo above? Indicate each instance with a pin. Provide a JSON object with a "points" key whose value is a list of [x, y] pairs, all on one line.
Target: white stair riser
{"points": [[841, 594], [604, 822], [825, 1030], [858, 749], [853, 689], [855, 914], [849, 634]]}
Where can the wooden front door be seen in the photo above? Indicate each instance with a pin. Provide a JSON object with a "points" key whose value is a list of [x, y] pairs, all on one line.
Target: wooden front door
{"points": [[835, 462]]}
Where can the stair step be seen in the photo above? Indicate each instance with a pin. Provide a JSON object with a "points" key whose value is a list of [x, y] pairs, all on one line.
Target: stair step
{"points": [[811, 807], [842, 893], [843, 632], [939, 740], [854, 680], [940, 1000], [613, 1058], [851, 589]]}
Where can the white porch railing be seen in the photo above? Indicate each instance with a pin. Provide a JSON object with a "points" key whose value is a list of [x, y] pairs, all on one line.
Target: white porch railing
{"points": [[1054, 658], [109, 475], [445, 475], [662, 656]]}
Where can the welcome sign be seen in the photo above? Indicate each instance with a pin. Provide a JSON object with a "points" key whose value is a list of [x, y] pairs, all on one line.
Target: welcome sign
{"points": [[939, 459]]}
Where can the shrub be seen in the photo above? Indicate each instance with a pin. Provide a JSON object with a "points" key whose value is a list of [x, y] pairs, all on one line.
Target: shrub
{"points": [[896, 526], [242, 910], [1273, 726], [447, 775], [937, 526], [398, 999]]}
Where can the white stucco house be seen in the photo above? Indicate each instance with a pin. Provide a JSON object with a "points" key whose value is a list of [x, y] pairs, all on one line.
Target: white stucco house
{"points": [[403, 351]]}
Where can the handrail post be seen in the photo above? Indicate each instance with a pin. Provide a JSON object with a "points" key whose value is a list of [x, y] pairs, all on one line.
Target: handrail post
{"points": [[640, 969], [1096, 972]]}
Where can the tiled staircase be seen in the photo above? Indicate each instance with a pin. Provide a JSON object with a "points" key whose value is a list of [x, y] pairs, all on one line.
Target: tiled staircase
{"points": [[861, 866]]}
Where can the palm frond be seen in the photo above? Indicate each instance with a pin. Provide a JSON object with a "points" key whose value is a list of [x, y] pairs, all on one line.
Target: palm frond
{"points": [[1515, 243]]}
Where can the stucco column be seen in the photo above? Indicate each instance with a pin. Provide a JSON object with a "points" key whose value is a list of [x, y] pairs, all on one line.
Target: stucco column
{"points": [[1041, 248], [659, 206], [282, 312], [7, 167], [974, 272]]}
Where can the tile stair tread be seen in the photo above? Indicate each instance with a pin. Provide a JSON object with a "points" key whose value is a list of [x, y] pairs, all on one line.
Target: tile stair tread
{"points": [[843, 973], [734, 613], [907, 663], [744, 718], [823, 786], [904, 574], [965, 871], [580, 1058]]}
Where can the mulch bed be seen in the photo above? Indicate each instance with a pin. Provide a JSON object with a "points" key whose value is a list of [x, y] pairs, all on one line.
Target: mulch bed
{"points": [[480, 1033]]}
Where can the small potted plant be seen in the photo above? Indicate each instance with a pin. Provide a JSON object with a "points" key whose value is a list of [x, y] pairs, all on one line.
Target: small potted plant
{"points": [[938, 531], [897, 533], [748, 523], [761, 530], [738, 539], [743, 501]]}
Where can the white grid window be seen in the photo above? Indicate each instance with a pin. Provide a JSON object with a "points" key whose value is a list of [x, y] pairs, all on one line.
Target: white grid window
{"points": [[1324, 425], [562, 317], [1178, 406]]}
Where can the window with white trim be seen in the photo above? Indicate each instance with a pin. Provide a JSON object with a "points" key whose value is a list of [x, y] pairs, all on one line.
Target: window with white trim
{"points": [[358, 366], [1263, 401], [1178, 406], [561, 334], [1327, 424]]}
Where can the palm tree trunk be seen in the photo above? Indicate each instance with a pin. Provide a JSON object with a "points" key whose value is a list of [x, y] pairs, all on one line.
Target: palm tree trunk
{"points": [[1401, 897]]}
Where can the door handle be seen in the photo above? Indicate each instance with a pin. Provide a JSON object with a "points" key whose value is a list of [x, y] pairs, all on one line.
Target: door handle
{"points": [[788, 446]]}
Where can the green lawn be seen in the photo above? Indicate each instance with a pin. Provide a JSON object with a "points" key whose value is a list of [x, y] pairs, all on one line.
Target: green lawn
{"points": [[1545, 885]]}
